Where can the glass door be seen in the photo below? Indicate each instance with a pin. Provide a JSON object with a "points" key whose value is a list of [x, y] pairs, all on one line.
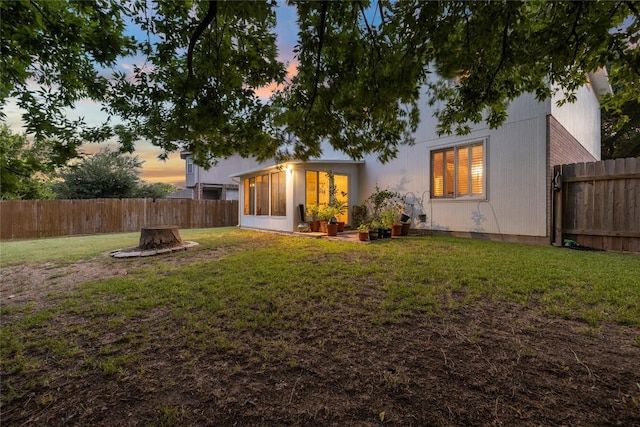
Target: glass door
{"points": [[318, 189]]}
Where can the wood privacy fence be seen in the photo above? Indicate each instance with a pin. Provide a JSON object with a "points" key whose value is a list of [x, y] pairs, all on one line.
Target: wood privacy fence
{"points": [[597, 204], [27, 219]]}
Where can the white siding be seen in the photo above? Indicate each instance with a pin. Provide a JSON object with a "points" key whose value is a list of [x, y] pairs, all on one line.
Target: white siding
{"points": [[581, 118], [220, 173], [515, 184]]}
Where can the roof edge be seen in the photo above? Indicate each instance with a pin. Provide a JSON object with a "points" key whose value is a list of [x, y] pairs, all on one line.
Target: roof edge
{"points": [[295, 162]]}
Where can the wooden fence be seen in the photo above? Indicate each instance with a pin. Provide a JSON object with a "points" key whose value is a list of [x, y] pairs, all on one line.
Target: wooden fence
{"points": [[27, 219], [597, 204]]}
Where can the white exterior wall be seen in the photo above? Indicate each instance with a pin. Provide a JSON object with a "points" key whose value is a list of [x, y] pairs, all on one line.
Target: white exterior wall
{"points": [[581, 118], [267, 222], [515, 157]]}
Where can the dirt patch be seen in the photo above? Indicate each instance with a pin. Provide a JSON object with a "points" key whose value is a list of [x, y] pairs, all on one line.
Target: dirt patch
{"points": [[494, 363], [34, 283]]}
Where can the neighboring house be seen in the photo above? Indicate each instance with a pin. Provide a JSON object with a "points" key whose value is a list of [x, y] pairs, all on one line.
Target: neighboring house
{"points": [[215, 183], [492, 182]]}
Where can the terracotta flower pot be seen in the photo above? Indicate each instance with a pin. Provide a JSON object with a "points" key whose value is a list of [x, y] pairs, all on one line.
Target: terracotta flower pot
{"points": [[332, 229], [363, 236], [405, 229], [396, 230], [314, 226]]}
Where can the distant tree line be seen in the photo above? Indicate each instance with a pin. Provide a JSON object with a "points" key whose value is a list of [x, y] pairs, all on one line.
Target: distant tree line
{"points": [[29, 171]]}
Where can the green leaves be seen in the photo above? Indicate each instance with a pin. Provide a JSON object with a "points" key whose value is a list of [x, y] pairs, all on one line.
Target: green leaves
{"points": [[203, 70], [106, 174], [214, 111], [23, 167], [52, 52]]}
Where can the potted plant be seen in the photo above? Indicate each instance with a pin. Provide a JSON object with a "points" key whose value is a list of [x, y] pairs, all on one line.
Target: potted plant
{"points": [[374, 231], [358, 215], [406, 224], [383, 206], [313, 212], [332, 228], [340, 207], [388, 219], [363, 232], [325, 214]]}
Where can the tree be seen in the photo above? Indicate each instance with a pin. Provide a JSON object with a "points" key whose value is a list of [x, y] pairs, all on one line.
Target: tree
{"points": [[362, 68], [621, 138], [155, 190], [106, 174], [23, 168], [55, 54]]}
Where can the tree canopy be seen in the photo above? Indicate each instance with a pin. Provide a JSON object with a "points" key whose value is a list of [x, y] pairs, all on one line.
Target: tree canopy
{"points": [[362, 69], [106, 175], [621, 138], [24, 168]]}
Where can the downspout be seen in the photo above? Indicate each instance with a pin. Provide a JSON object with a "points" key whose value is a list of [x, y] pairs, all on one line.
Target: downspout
{"points": [[198, 187]]}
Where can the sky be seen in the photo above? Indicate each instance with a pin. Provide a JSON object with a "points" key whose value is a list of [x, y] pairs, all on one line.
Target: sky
{"points": [[171, 170]]}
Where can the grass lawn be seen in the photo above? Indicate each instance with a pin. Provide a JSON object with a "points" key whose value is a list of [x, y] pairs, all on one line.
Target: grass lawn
{"points": [[255, 328]]}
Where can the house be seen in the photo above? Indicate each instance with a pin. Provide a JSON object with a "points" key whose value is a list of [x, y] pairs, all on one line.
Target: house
{"points": [[494, 183], [216, 182]]}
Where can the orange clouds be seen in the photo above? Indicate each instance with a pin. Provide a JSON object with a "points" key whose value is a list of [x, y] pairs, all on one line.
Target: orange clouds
{"points": [[171, 171]]}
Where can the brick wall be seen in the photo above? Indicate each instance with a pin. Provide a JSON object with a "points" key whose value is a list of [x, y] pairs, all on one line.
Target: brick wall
{"points": [[562, 148]]}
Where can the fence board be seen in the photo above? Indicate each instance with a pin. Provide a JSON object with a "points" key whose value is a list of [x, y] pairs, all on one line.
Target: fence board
{"points": [[599, 206], [28, 219]]}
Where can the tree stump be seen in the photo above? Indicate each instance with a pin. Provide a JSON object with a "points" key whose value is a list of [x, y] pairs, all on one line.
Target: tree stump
{"points": [[159, 237]]}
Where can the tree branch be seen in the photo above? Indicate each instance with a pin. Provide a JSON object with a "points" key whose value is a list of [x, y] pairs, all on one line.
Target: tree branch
{"points": [[632, 7], [575, 34], [316, 79], [503, 55], [370, 31], [212, 13]]}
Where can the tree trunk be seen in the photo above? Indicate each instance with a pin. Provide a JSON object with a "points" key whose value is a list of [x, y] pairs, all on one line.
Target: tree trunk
{"points": [[160, 237]]}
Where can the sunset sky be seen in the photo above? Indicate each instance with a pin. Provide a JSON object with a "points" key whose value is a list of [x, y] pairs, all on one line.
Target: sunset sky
{"points": [[172, 170]]}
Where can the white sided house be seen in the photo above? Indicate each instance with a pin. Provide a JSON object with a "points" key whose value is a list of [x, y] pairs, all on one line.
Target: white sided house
{"points": [[216, 182], [491, 183]]}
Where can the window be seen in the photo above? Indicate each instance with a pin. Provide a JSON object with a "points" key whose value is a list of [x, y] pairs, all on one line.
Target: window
{"points": [[458, 172], [189, 165], [262, 195], [278, 194], [318, 187], [266, 194], [249, 196]]}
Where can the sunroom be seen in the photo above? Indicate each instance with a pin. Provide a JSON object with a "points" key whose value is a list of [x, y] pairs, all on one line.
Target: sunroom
{"points": [[269, 197]]}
